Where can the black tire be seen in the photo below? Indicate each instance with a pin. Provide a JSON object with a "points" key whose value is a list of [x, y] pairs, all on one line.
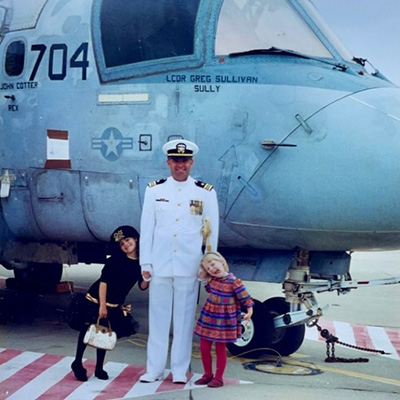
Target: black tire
{"points": [[39, 276], [252, 335], [288, 340]]}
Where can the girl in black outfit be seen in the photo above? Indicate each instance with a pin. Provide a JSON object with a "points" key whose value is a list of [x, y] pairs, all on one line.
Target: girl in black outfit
{"points": [[106, 296]]}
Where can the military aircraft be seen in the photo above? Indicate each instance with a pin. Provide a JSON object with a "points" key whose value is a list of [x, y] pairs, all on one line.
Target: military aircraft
{"points": [[299, 139]]}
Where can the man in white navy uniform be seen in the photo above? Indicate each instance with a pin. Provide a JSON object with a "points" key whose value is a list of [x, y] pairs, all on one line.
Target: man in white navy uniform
{"points": [[174, 210]]}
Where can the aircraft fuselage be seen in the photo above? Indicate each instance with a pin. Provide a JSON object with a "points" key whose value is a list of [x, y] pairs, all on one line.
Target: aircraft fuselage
{"points": [[303, 152]]}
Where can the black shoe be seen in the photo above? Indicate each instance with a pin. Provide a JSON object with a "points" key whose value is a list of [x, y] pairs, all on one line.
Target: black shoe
{"points": [[101, 374], [79, 371]]}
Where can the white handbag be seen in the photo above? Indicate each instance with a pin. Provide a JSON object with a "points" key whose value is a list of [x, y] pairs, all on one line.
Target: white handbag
{"points": [[100, 337]]}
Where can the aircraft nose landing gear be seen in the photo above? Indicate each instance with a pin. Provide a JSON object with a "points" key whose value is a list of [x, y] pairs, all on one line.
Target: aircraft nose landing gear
{"points": [[278, 324]]}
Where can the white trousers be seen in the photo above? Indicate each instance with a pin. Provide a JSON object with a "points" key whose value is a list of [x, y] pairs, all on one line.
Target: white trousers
{"points": [[171, 297]]}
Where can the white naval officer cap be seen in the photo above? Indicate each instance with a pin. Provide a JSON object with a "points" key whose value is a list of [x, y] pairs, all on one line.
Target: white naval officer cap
{"points": [[180, 148]]}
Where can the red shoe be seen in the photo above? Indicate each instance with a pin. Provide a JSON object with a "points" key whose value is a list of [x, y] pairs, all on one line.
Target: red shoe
{"points": [[216, 383], [204, 380]]}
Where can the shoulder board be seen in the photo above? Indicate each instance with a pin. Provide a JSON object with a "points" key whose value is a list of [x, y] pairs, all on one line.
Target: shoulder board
{"points": [[158, 182], [204, 185]]}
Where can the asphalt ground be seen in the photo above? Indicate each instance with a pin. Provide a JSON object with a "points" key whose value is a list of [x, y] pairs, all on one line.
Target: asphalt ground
{"points": [[39, 326]]}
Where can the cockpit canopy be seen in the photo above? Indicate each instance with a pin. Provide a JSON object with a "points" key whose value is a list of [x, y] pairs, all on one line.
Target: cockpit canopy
{"points": [[141, 30], [139, 37]]}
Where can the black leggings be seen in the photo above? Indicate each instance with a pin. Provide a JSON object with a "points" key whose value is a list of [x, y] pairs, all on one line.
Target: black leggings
{"points": [[81, 347]]}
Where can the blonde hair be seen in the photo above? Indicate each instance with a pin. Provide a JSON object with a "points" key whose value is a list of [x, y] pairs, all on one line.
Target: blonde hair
{"points": [[214, 255]]}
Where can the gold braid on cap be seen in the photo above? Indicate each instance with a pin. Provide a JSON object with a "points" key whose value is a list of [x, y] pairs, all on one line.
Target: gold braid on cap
{"points": [[118, 236]]}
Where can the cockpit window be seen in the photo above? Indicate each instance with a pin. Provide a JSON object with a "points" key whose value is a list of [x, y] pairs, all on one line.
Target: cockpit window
{"points": [[135, 31], [15, 58], [262, 24]]}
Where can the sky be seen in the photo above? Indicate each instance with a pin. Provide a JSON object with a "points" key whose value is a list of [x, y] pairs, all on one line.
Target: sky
{"points": [[369, 29]]}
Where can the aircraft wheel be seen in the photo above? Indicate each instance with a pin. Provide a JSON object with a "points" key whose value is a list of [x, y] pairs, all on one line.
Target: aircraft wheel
{"points": [[252, 339], [288, 340], [39, 275]]}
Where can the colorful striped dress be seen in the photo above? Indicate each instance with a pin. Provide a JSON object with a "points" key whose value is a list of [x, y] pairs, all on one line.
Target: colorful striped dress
{"points": [[220, 316]]}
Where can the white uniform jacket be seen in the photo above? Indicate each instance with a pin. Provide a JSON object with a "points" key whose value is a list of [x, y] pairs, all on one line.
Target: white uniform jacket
{"points": [[171, 226]]}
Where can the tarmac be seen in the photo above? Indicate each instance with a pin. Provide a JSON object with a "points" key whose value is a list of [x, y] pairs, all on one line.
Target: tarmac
{"points": [[366, 317]]}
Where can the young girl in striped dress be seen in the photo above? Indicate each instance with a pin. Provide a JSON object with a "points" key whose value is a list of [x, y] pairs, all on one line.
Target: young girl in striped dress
{"points": [[220, 316]]}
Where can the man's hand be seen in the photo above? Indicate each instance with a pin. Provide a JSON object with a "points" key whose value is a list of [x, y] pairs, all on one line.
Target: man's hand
{"points": [[146, 276], [147, 272]]}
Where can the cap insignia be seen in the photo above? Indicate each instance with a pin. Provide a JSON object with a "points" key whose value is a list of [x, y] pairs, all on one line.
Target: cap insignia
{"points": [[181, 148]]}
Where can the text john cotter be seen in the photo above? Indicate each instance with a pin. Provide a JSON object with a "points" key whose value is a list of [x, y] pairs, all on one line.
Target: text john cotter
{"points": [[18, 85]]}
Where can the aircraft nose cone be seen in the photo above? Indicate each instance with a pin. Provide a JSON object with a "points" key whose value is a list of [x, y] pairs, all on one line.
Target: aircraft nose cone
{"points": [[340, 187], [358, 166]]}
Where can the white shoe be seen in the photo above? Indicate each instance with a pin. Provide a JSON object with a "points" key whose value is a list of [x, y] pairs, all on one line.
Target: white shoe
{"points": [[149, 378], [179, 379]]}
